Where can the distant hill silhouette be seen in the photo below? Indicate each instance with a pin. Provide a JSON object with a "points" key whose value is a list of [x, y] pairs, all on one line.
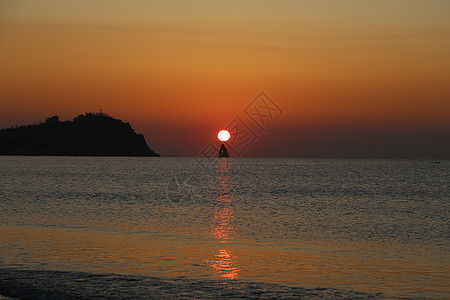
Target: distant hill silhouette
{"points": [[91, 134]]}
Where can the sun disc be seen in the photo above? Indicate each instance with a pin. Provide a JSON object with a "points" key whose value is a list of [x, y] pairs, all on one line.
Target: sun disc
{"points": [[223, 135]]}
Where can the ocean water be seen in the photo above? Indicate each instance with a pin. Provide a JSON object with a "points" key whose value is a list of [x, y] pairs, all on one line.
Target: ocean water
{"points": [[95, 227]]}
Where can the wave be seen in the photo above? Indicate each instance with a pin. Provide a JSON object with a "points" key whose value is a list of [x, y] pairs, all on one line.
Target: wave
{"points": [[44, 284]]}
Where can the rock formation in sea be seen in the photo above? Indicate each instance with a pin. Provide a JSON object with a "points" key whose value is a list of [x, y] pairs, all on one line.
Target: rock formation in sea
{"points": [[223, 152], [91, 134]]}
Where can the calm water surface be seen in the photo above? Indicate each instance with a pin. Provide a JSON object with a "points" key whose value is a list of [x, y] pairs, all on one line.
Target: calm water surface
{"points": [[322, 225]]}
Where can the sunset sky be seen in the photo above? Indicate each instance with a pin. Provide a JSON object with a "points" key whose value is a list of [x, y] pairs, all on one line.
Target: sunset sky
{"points": [[353, 78]]}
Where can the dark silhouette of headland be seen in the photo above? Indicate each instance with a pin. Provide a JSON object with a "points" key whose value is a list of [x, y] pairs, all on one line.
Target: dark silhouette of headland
{"points": [[91, 134]]}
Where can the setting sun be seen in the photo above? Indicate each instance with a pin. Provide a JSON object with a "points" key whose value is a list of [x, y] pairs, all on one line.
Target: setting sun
{"points": [[223, 135]]}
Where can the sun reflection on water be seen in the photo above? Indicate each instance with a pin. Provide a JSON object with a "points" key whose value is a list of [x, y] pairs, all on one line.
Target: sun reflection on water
{"points": [[223, 229], [224, 262]]}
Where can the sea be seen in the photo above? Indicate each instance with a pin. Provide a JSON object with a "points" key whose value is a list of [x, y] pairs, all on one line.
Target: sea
{"points": [[208, 228]]}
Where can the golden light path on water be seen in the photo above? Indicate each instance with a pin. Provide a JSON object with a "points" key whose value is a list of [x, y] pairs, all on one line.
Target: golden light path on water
{"points": [[224, 262]]}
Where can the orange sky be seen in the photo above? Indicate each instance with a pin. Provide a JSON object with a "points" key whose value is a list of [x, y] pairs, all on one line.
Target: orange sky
{"points": [[181, 70]]}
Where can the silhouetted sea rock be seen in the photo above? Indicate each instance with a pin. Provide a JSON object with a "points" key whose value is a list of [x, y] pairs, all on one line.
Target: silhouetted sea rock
{"points": [[87, 135], [223, 152]]}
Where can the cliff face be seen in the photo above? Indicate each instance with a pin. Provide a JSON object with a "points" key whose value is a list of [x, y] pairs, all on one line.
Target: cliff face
{"points": [[87, 135]]}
